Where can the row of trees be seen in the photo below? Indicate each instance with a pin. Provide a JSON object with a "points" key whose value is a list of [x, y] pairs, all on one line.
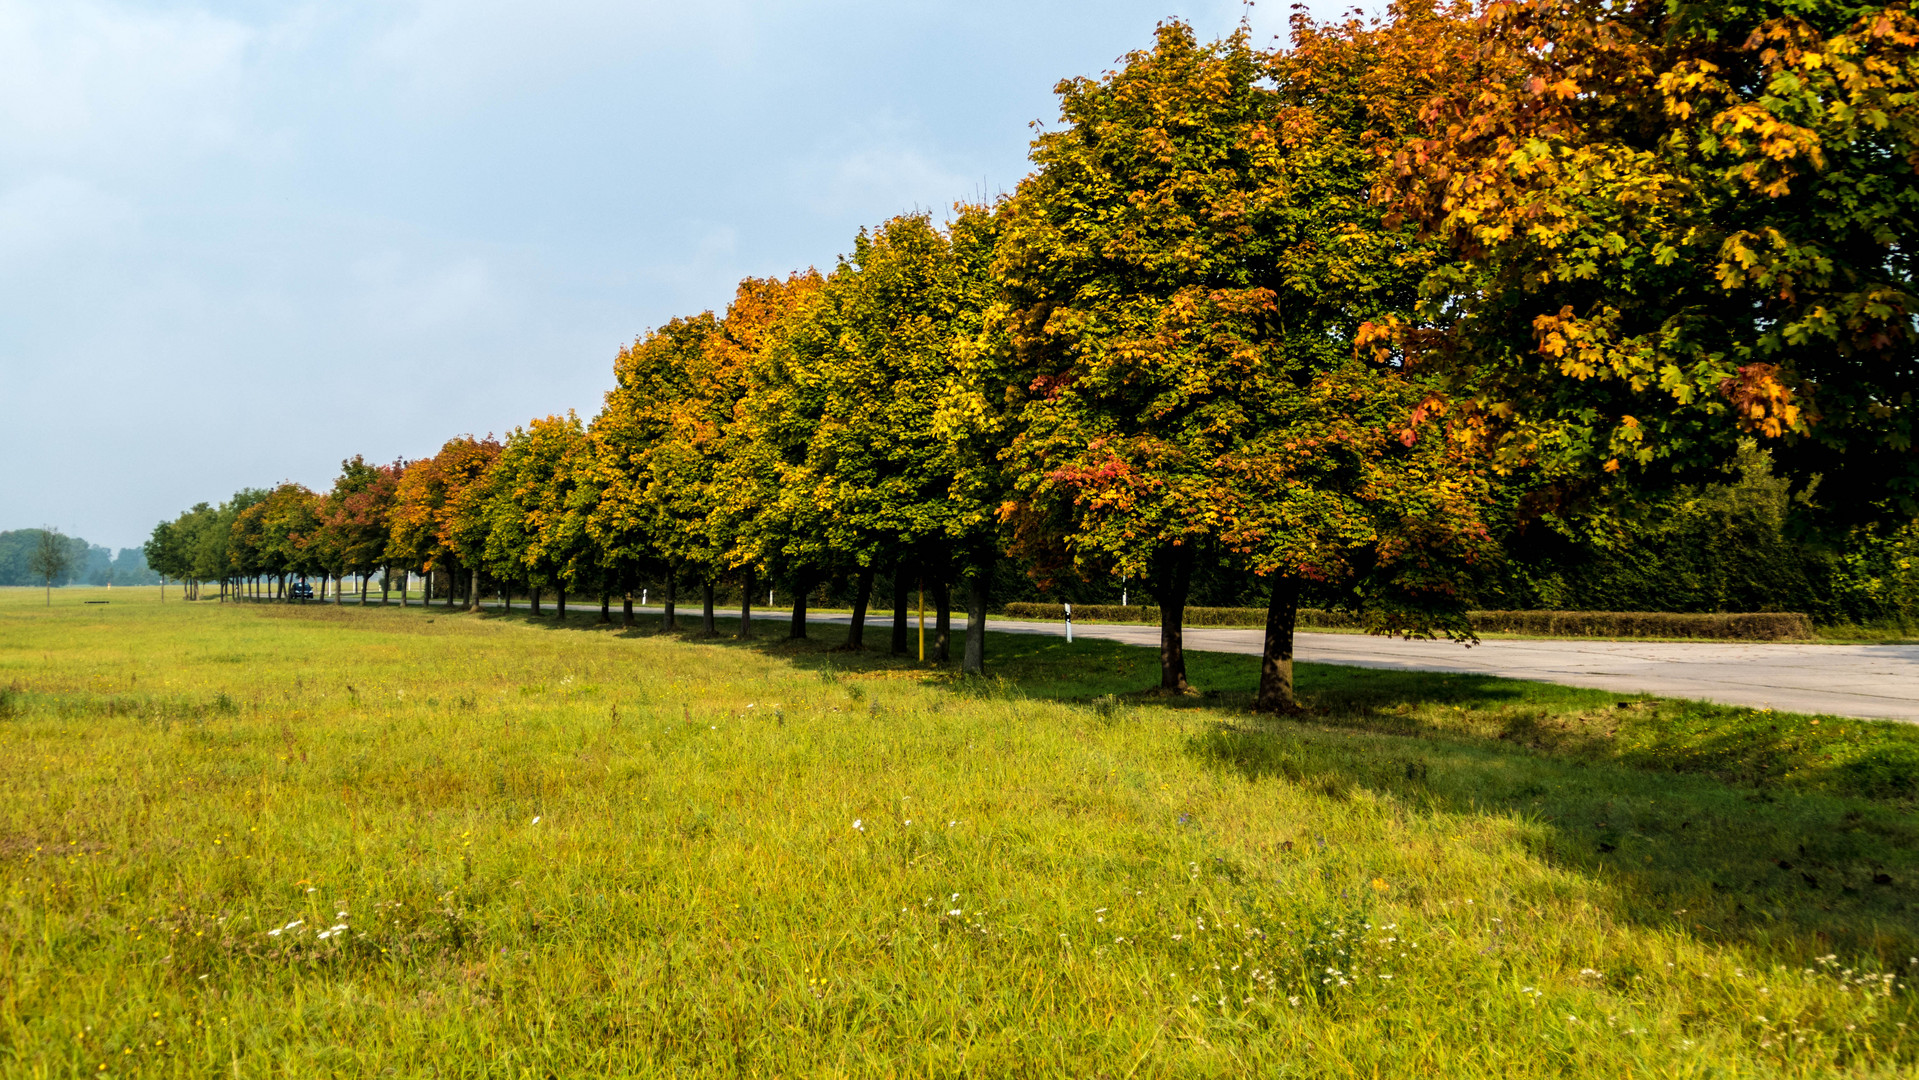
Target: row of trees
{"points": [[1319, 313], [86, 563]]}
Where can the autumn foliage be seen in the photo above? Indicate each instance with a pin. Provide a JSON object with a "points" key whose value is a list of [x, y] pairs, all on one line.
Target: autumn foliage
{"points": [[1309, 313]]}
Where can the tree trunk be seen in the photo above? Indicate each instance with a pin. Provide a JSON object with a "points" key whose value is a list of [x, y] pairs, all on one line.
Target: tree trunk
{"points": [[801, 585], [862, 595], [626, 609], [606, 607], [1176, 578], [943, 621], [406, 586], [902, 594], [671, 620], [559, 608], [707, 626], [1276, 663], [473, 589], [746, 604], [977, 588], [506, 596], [534, 595]]}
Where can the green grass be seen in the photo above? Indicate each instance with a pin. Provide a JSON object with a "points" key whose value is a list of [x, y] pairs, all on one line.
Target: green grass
{"points": [[1889, 632], [582, 852]]}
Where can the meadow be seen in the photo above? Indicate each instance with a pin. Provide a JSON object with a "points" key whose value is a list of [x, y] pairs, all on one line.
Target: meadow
{"points": [[257, 840]]}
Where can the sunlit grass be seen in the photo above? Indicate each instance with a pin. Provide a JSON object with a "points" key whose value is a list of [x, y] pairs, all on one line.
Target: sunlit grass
{"points": [[490, 846]]}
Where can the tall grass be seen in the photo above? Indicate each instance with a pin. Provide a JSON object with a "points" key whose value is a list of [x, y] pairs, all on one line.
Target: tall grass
{"points": [[315, 841]]}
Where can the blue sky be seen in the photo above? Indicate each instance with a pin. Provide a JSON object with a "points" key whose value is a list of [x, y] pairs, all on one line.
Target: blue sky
{"points": [[240, 240]]}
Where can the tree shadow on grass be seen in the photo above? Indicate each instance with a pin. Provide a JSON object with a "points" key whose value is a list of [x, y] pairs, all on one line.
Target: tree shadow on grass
{"points": [[1801, 874], [1709, 820]]}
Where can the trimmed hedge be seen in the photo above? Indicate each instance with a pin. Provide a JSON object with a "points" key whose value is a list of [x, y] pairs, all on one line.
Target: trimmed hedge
{"points": [[1748, 626], [1311, 618], [1741, 626]]}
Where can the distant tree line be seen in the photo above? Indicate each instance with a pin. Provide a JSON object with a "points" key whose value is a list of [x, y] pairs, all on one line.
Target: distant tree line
{"points": [[1558, 301], [88, 564]]}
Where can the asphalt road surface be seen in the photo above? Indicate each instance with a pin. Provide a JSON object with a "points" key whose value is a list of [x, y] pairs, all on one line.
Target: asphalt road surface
{"points": [[1879, 681]]}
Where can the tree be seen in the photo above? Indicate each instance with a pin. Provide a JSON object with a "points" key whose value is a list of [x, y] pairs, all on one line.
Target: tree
{"points": [[1672, 224], [533, 534], [163, 550], [412, 528], [195, 547], [854, 449], [439, 521], [664, 441], [1189, 271], [355, 517], [247, 554], [289, 531], [465, 466], [50, 559], [738, 492], [648, 461]]}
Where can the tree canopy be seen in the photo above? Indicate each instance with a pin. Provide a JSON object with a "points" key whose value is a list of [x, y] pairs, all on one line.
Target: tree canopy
{"points": [[1360, 318]]}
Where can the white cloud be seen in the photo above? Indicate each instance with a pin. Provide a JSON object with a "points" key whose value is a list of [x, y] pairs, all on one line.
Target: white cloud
{"points": [[391, 291], [481, 48], [54, 213], [879, 167], [85, 80]]}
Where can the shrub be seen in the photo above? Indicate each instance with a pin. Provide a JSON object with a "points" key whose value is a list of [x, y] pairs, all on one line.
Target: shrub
{"points": [[1747, 626], [1750, 626]]}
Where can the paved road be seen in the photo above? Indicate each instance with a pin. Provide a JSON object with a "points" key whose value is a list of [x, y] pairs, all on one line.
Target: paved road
{"points": [[1880, 681]]}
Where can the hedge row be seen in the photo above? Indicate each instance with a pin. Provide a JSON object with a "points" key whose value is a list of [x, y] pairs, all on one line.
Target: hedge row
{"points": [[1735, 626], [1311, 618], [1752, 626]]}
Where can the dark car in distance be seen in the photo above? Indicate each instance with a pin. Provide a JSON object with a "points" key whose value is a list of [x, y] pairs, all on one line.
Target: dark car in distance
{"points": [[301, 591]]}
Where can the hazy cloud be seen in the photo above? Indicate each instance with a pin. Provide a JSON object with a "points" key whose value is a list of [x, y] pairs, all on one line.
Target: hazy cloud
{"points": [[243, 239], [53, 214], [475, 50], [82, 80]]}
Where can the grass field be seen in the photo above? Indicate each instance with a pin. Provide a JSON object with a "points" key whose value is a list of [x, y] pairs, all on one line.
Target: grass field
{"points": [[308, 841]]}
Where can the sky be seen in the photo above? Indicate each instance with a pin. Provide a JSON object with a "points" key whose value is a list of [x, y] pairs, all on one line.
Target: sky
{"points": [[241, 241]]}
